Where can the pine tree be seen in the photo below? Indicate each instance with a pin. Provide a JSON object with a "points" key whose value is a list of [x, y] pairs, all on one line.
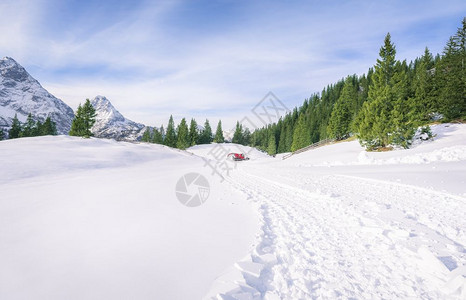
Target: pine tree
{"points": [[83, 120], [272, 147], [2, 134], [146, 136], [403, 118], [385, 116], [157, 137], [89, 115], [206, 134], [424, 102], [341, 117], [451, 76], [183, 135], [170, 136], [300, 134], [282, 140], [29, 127], [238, 134], [246, 137], [15, 130], [162, 133], [77, 125], [193, 133], [219, 133], [48, 128]]}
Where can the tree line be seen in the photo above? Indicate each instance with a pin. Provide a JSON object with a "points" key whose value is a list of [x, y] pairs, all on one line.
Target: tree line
{"points": [[383, 107], [30, 128], [184, 136]]}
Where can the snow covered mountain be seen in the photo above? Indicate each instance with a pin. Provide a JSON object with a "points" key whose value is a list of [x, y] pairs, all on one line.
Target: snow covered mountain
{"points": [[111, 124], [21, 94]]}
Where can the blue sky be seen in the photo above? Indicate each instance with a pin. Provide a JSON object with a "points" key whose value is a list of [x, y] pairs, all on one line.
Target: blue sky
{"points": [[210, 59]]}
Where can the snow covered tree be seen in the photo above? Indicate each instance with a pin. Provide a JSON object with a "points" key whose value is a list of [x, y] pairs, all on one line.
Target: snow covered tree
{"points": [[15, 130], [219, 133], [182, 135], [206, 134], [2, 134], [170, 136]]}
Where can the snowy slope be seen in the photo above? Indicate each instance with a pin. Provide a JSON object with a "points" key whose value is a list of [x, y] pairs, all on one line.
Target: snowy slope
{"points": [[21, 94], [214, 149], [99, 219], [111, 124], [338, 224], [330, 223]]}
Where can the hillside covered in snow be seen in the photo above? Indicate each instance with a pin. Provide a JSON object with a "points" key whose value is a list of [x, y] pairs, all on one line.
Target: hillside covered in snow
{"points": [[94, 219]]}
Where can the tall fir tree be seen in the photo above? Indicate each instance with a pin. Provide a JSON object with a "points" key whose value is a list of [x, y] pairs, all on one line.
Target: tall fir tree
{"points": [[146, 136], [163, 134], [272, 147], [450, 76], [77, 125], [282, 140], [89, 115], [385, 116], [182, 135], [403, 118], [157, 137], [219, 133], [238, 134], [206, 134], [424, 102], [193, 132], [301, 134], [29, 128], [341, 117], [15, 130], [170, 136], [83, 120], [48, 128]]}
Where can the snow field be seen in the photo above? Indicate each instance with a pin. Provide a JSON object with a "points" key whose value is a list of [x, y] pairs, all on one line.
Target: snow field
{"points": [[97, 219], [355, 230]]}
